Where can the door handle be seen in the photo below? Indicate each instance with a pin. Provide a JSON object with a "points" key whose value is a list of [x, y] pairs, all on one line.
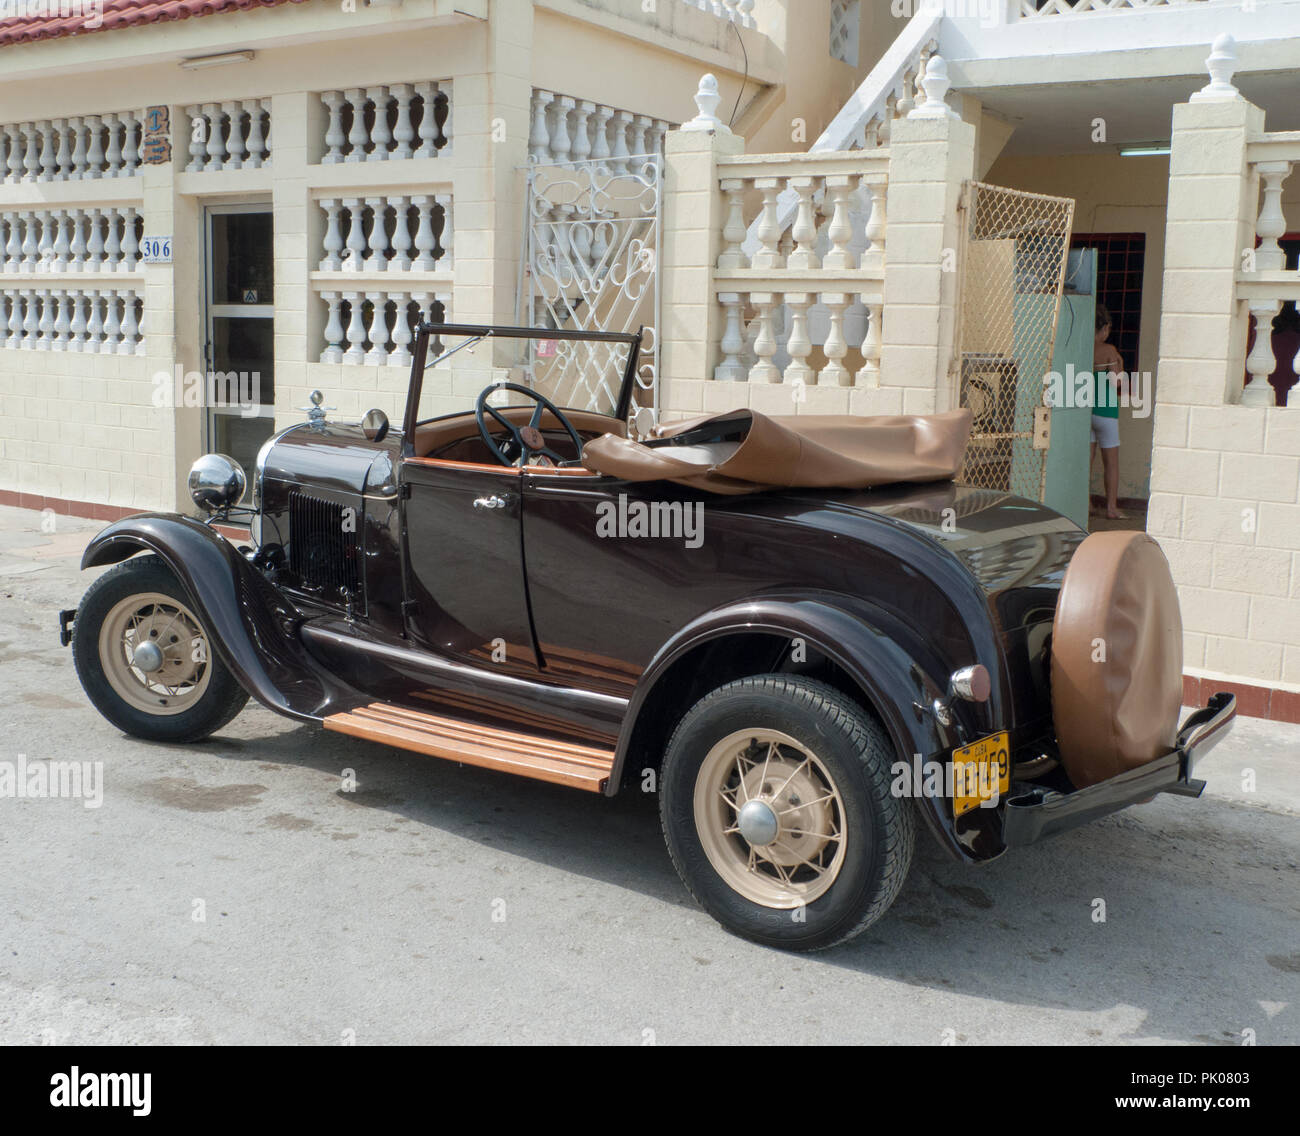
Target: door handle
{"points": [[493, 502]]}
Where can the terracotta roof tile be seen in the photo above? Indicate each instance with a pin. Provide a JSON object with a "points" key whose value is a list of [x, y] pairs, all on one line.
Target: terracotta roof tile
{"points": [[83, 16]]}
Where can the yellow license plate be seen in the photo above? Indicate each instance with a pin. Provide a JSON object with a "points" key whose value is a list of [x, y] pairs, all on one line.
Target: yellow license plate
{"points": [[980, 772]]}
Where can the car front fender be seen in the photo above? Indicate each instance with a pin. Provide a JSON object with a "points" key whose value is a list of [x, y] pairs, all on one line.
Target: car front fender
{"points": [[252, 626], [866, 645]]}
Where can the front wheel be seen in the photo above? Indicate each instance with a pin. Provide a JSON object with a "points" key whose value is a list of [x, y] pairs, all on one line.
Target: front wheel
{"points": [[144, 659], [777, 812]]}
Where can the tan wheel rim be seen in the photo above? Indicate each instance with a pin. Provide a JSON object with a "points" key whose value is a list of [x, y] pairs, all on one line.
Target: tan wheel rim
{"points": [[155, 654], [770, 818]]}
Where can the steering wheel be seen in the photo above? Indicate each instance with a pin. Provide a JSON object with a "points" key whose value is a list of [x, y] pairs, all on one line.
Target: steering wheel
{"points": [[529, 439]]}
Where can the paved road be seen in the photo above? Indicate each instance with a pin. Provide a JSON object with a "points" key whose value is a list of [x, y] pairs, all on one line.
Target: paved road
{"points": [[447, 904]]}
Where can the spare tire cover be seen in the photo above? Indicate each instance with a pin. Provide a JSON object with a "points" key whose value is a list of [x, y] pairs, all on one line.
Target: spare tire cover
{"points": [[1117, 657]]}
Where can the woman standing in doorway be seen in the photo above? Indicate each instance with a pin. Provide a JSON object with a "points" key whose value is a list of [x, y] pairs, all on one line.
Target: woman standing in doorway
{"points": [[1108, 381]]}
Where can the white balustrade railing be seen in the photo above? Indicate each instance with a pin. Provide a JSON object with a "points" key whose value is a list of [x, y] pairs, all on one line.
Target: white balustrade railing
{"points": [[377, 328], [71, 240], [231, 135], [72, 149], [1270, 284], [388, 234], [739, 12], [815, 284], [566, 131], [375, 124], [104, 321]]}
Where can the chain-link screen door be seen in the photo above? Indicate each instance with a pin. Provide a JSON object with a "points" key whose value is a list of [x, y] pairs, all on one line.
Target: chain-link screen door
{"points": [[1014, 248]]}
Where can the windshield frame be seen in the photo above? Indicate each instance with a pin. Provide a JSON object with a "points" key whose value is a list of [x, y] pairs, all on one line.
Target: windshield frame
{"points": [[425, 331]]}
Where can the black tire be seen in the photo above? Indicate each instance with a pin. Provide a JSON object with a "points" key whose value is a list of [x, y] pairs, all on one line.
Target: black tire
{"points": [[220, 701], [856, 752]]}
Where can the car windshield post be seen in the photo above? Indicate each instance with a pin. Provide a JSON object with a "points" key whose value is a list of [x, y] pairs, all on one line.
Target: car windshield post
{"points": [[479, 332]]}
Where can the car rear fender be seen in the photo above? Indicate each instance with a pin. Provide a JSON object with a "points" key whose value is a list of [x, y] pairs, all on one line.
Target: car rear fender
{"points": [[884, 670], [252, 626]]}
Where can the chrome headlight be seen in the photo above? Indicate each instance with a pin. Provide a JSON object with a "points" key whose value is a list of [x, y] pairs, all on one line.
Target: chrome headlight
{"points": [[216, 482]]}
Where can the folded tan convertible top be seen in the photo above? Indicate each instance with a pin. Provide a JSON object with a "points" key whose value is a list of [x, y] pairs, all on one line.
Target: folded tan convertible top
{"points": [[803, 451]]}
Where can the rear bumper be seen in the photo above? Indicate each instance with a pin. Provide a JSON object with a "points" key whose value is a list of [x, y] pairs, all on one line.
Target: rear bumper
{"points": [[1033, 816]]}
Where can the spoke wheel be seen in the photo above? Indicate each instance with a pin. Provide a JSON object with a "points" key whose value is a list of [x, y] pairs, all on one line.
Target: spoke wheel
{"points": [[155, 654], [770, 818]]}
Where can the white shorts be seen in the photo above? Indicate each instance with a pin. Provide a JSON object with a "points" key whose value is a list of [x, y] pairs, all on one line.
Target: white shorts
{"points": [[1105, 431]]}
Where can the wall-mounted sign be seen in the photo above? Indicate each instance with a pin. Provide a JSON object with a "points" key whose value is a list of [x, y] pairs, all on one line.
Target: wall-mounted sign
{"points": [[250, 296], [157, 143], [156, 250]]}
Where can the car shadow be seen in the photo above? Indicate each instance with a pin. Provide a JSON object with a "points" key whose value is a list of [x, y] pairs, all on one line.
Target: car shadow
{"points": [[1172, 917]]}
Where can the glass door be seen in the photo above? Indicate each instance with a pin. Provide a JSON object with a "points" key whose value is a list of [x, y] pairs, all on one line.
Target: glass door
{"points": [[240, 331]]}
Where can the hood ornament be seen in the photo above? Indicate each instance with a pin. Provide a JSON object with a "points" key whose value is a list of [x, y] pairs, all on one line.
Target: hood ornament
{"points": [[316, 412]]}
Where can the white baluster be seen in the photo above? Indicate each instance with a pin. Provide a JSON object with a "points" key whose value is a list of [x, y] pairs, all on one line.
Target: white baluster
{"points": [[140, 322], [874, 257], [77, 328], [13, 154], [112, 242], [95, 149], [424, 241], [600, 151], [198, 124], [61, 321], [335, 139], [113, 155], [769, 226], [130, 144], [561, 140], [582, 130], [640, 131], [265, 105], [15, 337], [377, 261], [869, 375], [380, 134], [445, 234], [618, 159], [127, 346], [14, 243], [332, 261], [401, 235], [403, 131], [46, 325], [31, 249], [836, 346], [378, 331], [31, 151], [400, 355], [216, 144], [840, 188], [95, 243], [799, 345], [333, 352], [357, 137], [747, 14], [765, 371], [539, 139], [731, 369], [46, 130], [256, 143], [734, 231], [235, 143], [1269, 257], [356, 245], [356, 351], [130, 242], [45, 243], [112, 323], [430, 134], [31, 319], [804, 230], [95, 325]]}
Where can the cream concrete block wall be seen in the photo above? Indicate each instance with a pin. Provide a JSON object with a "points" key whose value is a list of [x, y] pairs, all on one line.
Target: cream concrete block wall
{"points": [[1225, 478], [929, 160]]}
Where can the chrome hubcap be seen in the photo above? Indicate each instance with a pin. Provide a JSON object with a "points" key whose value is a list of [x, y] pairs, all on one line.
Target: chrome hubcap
{"points": [[757, 823]]}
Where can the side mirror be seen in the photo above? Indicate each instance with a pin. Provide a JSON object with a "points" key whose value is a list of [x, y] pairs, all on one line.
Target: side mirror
{"points": [[375, 425]]}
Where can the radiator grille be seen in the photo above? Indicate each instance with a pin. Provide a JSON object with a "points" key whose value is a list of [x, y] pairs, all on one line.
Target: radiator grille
{"points": [[324, 549]]}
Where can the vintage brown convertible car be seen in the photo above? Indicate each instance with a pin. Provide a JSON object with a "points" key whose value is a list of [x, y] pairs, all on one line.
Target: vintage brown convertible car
{"points": [[800, 633]]}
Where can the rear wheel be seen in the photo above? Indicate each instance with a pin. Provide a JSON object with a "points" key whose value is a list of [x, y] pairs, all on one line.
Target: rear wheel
{"points": [[144, 659], [777, 812]]}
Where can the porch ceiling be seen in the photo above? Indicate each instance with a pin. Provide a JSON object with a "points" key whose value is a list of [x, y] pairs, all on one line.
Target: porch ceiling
{"points": [[1057, 118]]}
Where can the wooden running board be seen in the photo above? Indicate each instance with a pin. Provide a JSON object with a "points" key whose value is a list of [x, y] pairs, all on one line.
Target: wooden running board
{"points": [[543, 759]]}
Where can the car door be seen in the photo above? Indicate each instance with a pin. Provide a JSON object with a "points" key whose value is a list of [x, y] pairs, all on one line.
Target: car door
{"points": [[466, 596]]}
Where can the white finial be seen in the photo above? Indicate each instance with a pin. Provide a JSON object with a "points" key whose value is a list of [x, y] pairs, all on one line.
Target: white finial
{"points": [[707, 99], [935, 83], [1221, 64]]}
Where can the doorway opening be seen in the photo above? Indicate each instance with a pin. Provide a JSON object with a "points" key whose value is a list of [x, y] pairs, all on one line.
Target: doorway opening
{"points": [[239, 331]]}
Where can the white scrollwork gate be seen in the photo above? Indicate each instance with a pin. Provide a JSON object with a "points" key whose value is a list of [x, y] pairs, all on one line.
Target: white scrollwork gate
{"points": [[592, 265]]}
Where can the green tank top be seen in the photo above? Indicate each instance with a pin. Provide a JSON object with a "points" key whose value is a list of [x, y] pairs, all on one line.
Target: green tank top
{"points": [[1105, 395]]}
